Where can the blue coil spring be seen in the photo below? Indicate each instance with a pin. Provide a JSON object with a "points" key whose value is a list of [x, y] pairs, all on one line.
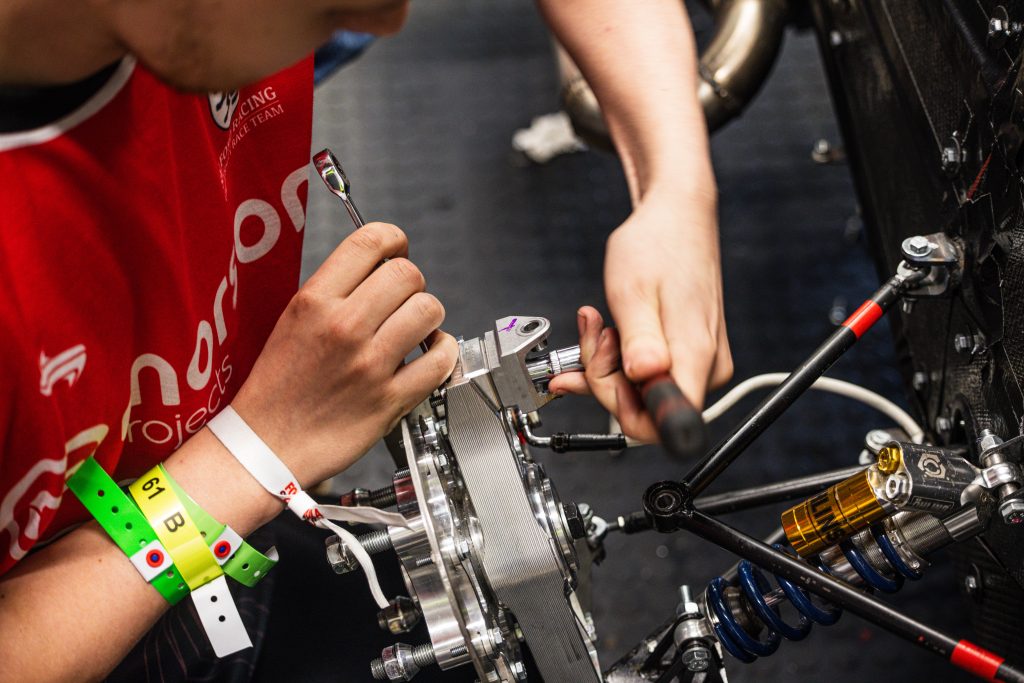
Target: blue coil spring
{"points": [[751, 580]]}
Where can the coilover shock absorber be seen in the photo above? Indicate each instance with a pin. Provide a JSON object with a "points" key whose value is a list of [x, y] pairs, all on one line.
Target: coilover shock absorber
{"points": [[879, 557]]}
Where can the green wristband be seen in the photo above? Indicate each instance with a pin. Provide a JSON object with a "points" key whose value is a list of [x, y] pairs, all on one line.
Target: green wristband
{"points": [[128, 528], [238, 559]]}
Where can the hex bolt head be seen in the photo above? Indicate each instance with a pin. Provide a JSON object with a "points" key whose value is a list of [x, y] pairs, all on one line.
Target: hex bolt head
{"points": [[400, 616], [396, 663], [919, 381], [341, 561], [441, 460], [1001, 30], [518, 670], [889, 459], [963, 343], [974, 583], [696, 658], [497, 637], [1012, 511], [574, 520], [821, 153], [988, 441], [919, 245], [951, 157]]}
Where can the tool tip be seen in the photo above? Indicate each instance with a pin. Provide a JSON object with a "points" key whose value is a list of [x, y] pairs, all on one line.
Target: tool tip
{"points": [[329, 168]]}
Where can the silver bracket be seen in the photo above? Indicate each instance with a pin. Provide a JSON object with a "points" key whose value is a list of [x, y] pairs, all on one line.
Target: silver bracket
{"points": [[517, 336], [940, 256], [990, 478]]}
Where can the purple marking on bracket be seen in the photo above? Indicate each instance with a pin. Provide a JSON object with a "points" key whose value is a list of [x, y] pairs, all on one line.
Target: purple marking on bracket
{"points": [[510, 325]]}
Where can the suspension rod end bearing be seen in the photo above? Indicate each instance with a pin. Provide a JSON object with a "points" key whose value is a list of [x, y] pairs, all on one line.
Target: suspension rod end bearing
{"points": [[665, 502]]}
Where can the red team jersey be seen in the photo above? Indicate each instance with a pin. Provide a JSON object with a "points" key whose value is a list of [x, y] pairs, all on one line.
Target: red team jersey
{"points": [[149, 241]]}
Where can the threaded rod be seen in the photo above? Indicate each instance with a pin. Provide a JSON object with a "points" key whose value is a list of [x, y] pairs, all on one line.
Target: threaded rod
{"points": [[382, 497], [422, 655], [375, 542]]}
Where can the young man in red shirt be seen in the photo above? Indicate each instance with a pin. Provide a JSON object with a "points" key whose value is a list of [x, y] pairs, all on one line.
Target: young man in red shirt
{"points": [[149, 256]]}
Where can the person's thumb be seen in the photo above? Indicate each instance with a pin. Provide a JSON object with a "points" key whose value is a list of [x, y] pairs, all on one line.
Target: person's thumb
{"points": [[644, 349]]}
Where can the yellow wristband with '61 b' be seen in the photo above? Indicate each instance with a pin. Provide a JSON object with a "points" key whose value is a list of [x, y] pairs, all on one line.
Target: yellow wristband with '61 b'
{"points": [[169, 517], [174, 527]]}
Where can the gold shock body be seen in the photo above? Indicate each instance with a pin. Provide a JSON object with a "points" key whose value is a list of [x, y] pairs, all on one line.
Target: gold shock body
{"points": [[834, 514]]}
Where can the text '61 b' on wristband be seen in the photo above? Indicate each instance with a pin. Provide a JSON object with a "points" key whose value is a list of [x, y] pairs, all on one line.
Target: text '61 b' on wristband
{"points": [[238, 559], [128, 528], [170, 519]]}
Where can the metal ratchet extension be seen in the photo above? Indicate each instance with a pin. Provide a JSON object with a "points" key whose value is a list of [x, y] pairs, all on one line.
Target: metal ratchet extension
{"points": [[329, 168], [333, 175]]}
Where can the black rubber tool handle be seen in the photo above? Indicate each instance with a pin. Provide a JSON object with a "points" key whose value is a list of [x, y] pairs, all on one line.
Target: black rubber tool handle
{"points": [[680, 425]]}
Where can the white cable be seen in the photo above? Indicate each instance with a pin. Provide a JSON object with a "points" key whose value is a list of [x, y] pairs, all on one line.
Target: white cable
{"points": [[834, 386]]}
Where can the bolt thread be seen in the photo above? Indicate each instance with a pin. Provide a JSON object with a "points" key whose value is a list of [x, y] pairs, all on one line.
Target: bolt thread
{"points": [[458, 651], [377, 670], [375, 542], [424, 655], [382, 498]]}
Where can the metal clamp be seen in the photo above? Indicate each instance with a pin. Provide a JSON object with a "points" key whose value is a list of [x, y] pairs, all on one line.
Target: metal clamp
{"points": [[999, 474]]}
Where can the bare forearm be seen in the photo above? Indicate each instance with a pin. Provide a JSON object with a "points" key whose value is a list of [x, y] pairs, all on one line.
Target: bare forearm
{"points": [[640, 60], [73, 610]]}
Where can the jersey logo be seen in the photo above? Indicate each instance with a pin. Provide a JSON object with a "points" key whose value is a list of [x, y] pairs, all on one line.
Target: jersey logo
{"points": [[67, 365], [222, 107]]}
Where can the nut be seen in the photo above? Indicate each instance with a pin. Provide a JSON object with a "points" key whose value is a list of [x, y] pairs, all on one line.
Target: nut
{"points": [[1012, 511], [697, 658], [988, 441], [398, 662], [963, 343], [357, 496], [497, 637], [951, 157], [518, 670], [341, 560], [400, 616], [574, 520]]}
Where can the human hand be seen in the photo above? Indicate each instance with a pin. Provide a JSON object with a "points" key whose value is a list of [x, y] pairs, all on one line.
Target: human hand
{"points": [[330, 380], [663, 284]]}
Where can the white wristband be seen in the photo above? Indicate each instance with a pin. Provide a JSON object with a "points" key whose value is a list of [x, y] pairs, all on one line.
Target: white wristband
{"points": [[274, 476], [220, 618]]}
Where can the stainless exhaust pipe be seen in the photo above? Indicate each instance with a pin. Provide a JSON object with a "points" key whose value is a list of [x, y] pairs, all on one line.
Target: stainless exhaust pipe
{"points": [[748, 35]]}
